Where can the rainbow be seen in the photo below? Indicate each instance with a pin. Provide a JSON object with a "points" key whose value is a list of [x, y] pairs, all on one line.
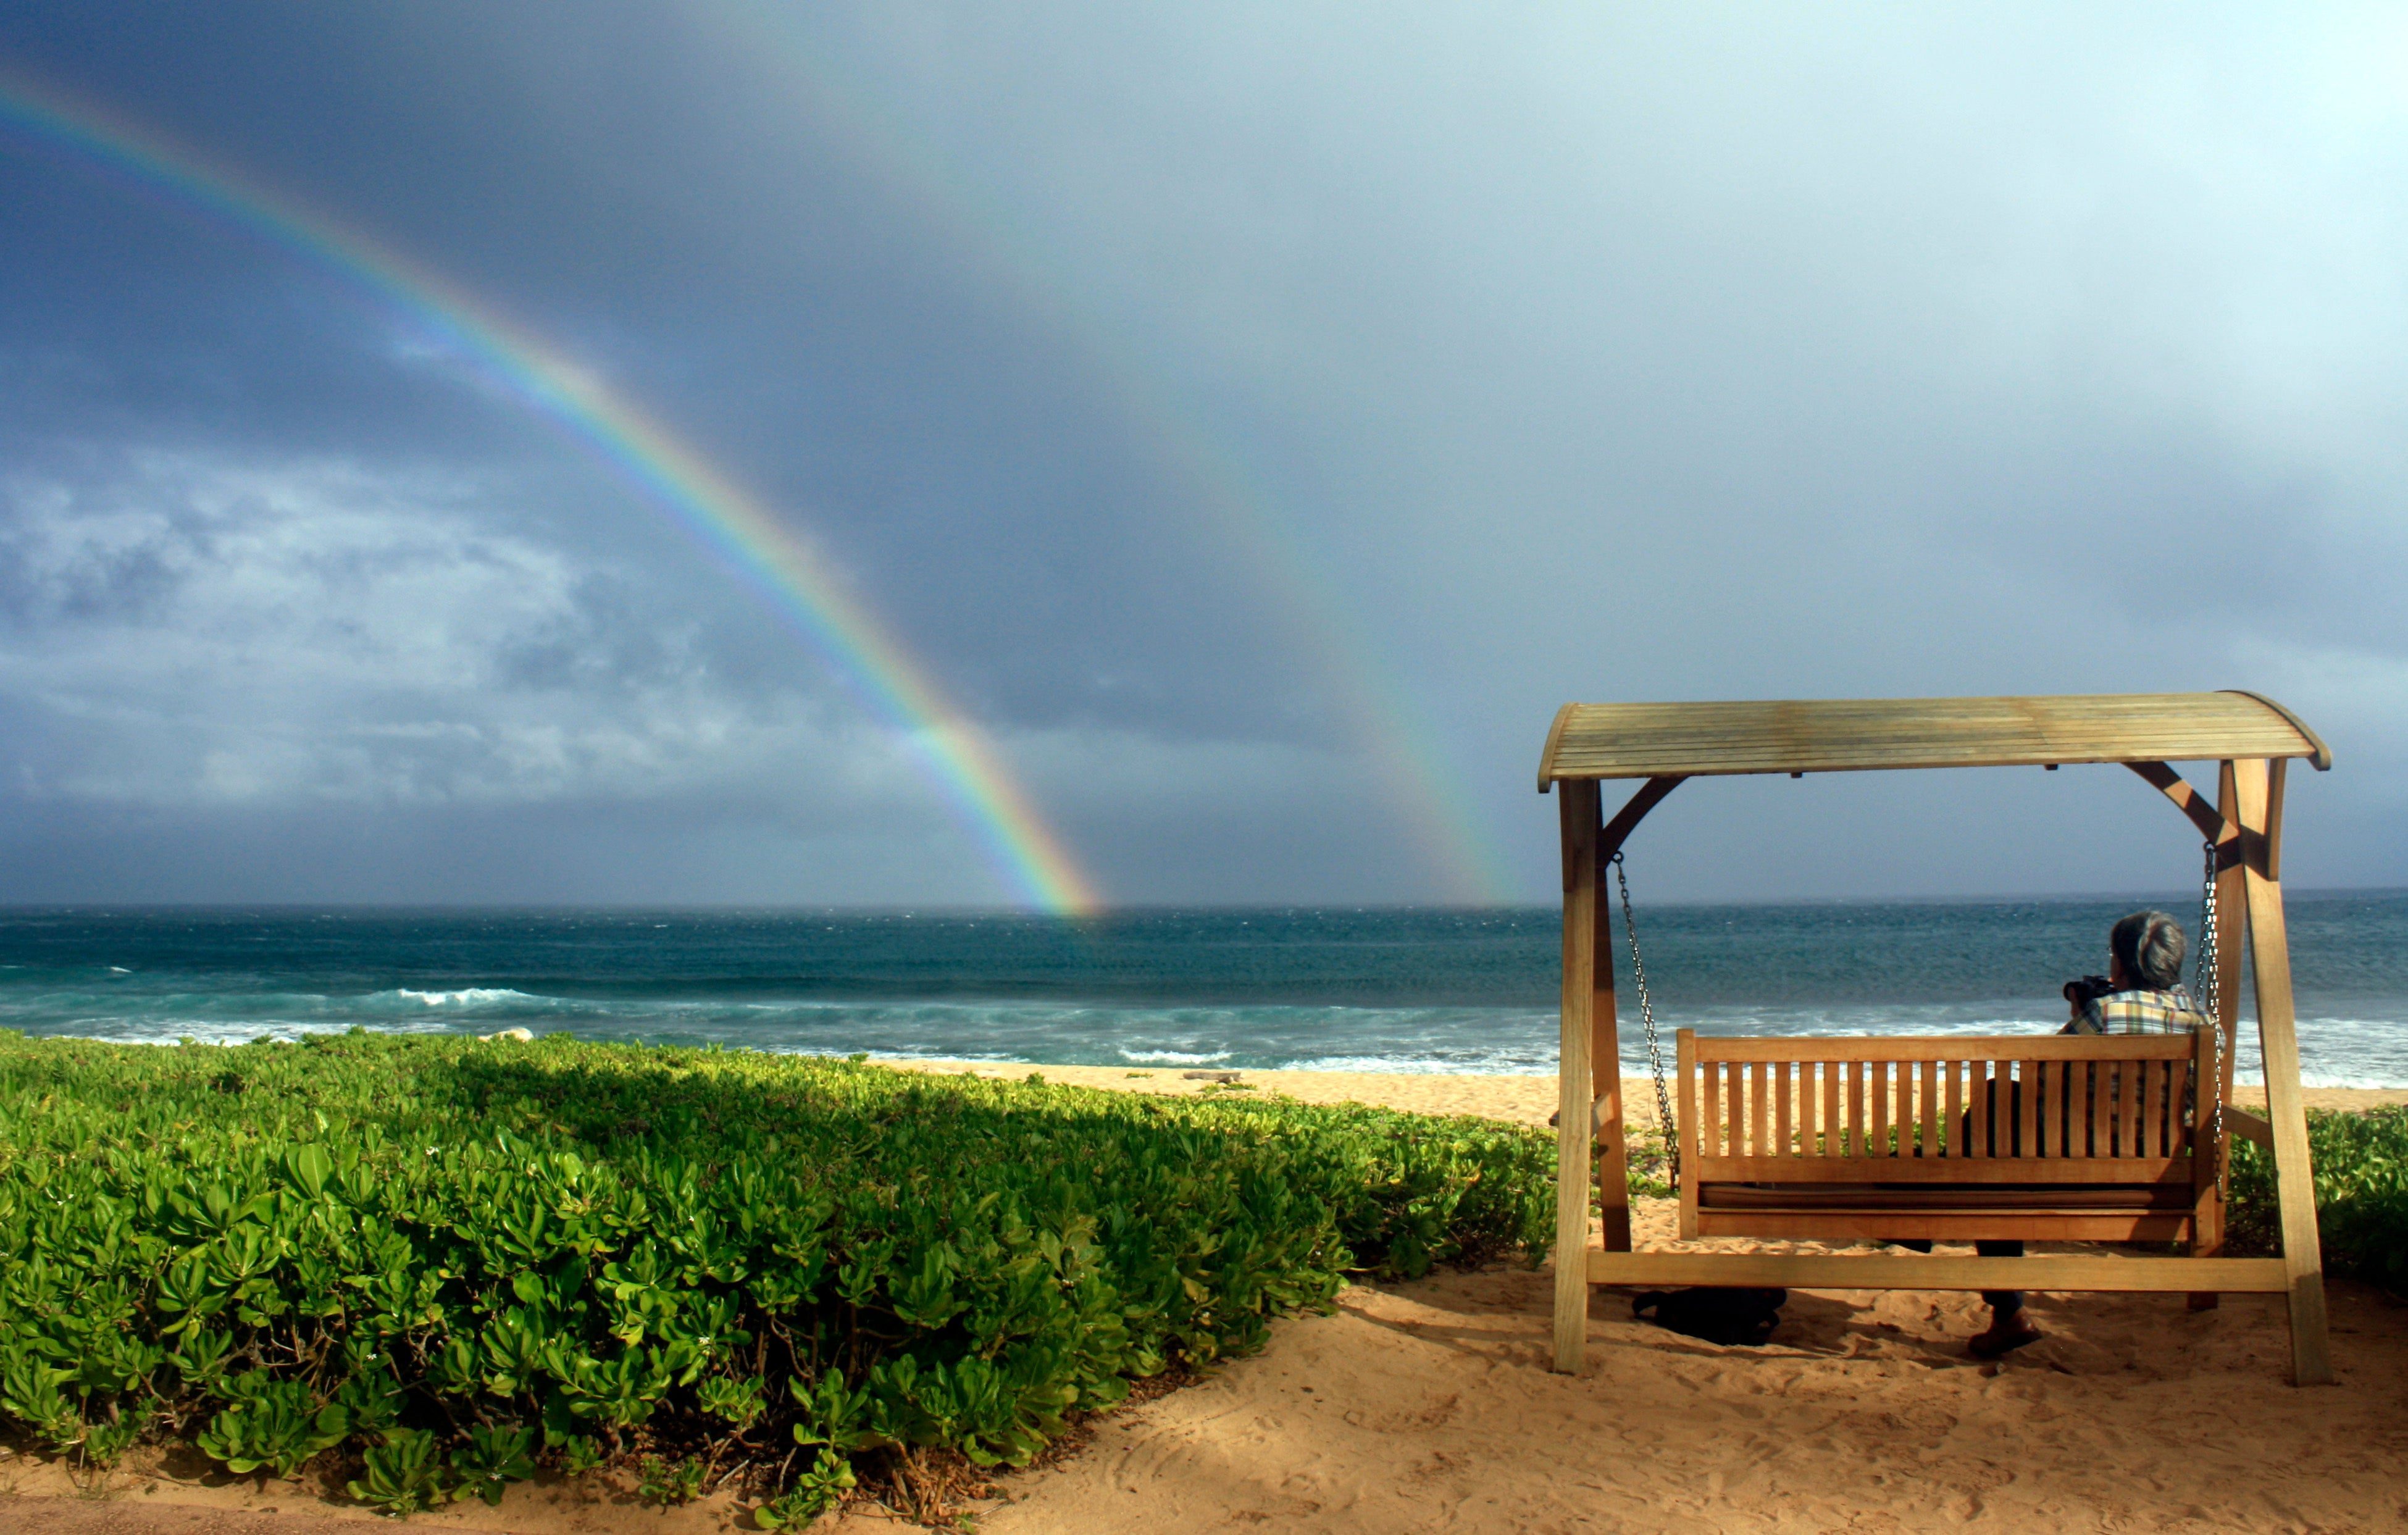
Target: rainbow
{"points": [[1399, 747], [775, 563]]}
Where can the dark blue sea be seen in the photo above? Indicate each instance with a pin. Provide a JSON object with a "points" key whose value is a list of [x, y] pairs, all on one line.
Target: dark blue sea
{"points": [[1411, 990]]}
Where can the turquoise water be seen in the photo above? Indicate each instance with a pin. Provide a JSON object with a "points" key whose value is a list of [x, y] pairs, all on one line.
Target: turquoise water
{"points": [[1373, 990]]}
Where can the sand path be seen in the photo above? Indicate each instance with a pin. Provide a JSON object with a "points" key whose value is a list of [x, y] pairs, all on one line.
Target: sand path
{"points": [[1428, 1406]]}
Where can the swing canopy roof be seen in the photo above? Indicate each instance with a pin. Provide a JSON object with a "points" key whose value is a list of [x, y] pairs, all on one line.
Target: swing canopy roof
{"points": [[1849, 734]]}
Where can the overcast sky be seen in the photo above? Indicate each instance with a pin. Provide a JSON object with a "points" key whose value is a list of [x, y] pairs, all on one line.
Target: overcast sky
{"points": [[1259, 419]]}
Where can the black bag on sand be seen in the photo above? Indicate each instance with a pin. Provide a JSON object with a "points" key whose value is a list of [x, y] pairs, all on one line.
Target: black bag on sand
{"points": [[1718, 1314]]}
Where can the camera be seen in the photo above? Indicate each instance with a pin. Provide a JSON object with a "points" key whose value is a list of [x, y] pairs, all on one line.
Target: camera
{"points": [[2087, 990]]}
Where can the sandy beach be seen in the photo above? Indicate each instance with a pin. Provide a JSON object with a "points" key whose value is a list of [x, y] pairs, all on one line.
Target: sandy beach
{"points": [[1428, 1405], [1527, 1100]]}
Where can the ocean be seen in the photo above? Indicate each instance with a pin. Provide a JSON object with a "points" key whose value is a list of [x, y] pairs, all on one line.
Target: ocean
{"points": [[1310, 989]]}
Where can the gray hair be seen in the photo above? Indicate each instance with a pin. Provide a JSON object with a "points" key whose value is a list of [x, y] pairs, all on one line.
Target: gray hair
{"points": [[2151, 945]]}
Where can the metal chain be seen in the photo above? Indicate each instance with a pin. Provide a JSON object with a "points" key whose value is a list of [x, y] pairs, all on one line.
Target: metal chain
{"points": [[2211, 992], [1670, 1132]]}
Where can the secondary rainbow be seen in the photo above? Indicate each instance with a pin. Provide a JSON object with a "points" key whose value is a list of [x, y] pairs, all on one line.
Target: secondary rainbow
{"points": [[1400, 748], [772, 560]]}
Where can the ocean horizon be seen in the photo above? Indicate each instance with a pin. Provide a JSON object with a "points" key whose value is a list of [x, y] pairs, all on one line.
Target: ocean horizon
{"points": [[1334, 987]]}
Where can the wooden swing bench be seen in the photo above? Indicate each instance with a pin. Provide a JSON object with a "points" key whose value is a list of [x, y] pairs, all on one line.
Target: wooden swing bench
{"points": [[2117, 1137], [2080, 1138]]}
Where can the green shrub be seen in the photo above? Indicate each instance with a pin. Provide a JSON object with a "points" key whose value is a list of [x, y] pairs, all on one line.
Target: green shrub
{"points": [[447, 1256], [2360, 1161], [273, 1423], [404, 1475]]}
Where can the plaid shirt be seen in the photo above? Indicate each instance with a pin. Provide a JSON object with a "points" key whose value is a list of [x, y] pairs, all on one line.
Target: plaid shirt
{"points": [[2139, 1013]]}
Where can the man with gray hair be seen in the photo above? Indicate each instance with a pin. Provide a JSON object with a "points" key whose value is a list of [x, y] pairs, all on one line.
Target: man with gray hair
{"points": [[2143, 991]]}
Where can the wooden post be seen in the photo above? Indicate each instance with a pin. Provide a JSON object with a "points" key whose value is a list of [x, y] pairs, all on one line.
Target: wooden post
{"points": [[1683, 1131], [2258, 786], [1577, 809], [2232, 922], [1605, 1074], [1605, 1025]]}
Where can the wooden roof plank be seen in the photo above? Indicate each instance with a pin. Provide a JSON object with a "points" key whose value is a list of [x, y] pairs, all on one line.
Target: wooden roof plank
{"points": [[1820, 735]]}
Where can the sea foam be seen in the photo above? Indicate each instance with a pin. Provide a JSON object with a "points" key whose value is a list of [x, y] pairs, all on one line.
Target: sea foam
{"points": [[470, 996]]}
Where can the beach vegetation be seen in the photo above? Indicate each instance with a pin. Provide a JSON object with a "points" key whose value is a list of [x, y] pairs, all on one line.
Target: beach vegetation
{"points": [[1649, 1169], [2360, 1164], [667, 1483], [429, 1265]]}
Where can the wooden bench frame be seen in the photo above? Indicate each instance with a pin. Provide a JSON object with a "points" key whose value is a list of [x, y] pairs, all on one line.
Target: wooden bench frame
{"points": [[2250, 738]]}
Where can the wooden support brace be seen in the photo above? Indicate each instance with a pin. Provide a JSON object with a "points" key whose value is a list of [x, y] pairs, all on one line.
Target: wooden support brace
{"points": [[1634, 810], [2208, 818], [2259, 785], [1577, 811], [1590, 1110], [2240, 1122], [1605, 1075]]}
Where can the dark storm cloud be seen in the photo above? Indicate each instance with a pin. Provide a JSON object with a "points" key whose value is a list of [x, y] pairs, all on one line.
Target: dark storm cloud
{"points": [[1125, 358], [588, 170]]}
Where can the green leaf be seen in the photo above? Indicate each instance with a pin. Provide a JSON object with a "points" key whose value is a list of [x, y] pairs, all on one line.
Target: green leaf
{"points": [[309, 1166]]}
